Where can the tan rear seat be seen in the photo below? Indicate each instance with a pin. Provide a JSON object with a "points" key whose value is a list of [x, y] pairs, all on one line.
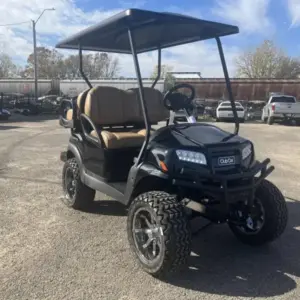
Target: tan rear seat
{"points": [[111, 106], [80, 104]]}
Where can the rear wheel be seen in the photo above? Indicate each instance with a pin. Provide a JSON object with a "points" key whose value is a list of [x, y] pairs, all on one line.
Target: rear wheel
{"points": [[267, 220], [76, 194], [159, 232]]}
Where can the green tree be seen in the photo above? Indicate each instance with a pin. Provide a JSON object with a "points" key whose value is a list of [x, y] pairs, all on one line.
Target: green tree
{"points": [[164, 70], [267, 61], [165, 74]]}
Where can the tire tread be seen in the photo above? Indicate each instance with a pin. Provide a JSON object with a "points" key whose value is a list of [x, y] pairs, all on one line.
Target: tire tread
{"points": [[84, 195], [175, 226]]}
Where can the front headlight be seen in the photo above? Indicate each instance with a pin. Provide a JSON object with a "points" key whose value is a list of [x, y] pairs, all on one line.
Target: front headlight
{"points": [[191, 156], [246, 151]]}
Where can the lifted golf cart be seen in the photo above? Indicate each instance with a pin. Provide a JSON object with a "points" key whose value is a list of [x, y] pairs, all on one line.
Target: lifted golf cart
{"points": [[161, 174]]}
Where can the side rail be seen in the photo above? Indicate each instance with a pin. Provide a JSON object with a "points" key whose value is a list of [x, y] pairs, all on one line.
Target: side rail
{"points": [[88, 126]]}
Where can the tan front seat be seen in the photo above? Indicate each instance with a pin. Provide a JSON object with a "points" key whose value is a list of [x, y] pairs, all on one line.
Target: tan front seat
{"points": [[117, 140], [154, 101], [108, 106], [80, 105]]}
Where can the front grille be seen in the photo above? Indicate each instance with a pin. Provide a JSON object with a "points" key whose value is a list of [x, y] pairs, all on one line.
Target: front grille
{"points": [[221, 160]]}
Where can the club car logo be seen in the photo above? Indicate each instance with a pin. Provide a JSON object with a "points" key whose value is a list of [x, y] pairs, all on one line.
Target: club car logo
{"points": [[226, 161]]}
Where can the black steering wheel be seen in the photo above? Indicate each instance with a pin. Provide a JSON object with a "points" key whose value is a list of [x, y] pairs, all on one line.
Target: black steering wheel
{"points": [[174, 100]]}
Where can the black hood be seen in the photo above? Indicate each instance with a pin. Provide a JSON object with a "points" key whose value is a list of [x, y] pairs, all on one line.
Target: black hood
{"points": [[195, 135]]}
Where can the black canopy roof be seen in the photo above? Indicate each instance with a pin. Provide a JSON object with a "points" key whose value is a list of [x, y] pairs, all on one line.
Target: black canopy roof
{"points": [[151, 30]]}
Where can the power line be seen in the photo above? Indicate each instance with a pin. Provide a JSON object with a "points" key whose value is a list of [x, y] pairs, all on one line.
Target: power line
{"points": [[2, 25]]}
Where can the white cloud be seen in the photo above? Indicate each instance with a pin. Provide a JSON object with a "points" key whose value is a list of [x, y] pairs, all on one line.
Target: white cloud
{"points": [[68, 18], [196, 57], [65, 20], [294, 11], [250, 15]]}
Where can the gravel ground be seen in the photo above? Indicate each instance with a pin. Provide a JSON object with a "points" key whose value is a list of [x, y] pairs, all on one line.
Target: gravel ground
{"points": [[51, 252]]}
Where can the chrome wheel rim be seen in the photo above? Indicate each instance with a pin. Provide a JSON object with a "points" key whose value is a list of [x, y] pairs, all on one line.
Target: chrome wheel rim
{"points": [[70, 183], [147, 235], [254, 221]]}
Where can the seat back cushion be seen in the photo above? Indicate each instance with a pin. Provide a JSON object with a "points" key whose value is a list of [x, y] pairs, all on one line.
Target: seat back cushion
{"points": [[154, 102], [80, 105], [111, 106], [81, 100], [107, 106]]}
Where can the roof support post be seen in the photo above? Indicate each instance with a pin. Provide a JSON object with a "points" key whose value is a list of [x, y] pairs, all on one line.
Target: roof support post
{"points": [[141, 93], [158, 68], [81, 68], [228, 85]]}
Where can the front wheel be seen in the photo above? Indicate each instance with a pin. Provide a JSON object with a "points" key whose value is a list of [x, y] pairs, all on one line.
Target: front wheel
{"points": [[77, 194], [159, 232], [267, 219]]}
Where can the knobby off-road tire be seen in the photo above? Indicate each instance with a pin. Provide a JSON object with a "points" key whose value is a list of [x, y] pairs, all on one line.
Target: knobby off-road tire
{"points": [[275, 219], [170, 216], [270, 120], [82, 196]]}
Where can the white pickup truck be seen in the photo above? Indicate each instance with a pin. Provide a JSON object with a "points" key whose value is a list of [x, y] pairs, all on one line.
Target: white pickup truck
{"points": [[280, 108]]}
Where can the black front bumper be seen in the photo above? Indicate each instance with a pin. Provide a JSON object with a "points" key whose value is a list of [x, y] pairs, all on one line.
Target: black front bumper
{"points": [[228, 187]]}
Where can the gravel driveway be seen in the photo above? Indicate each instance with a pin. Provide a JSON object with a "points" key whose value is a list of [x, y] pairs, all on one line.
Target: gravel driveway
{"points": [[51, 252]]}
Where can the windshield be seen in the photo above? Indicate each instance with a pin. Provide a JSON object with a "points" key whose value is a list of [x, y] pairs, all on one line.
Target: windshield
{"points": [[227, 103], [283, 99]]}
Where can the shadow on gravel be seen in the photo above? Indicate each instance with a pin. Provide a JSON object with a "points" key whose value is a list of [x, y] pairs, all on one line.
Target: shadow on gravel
{"points": [[15, 118], [107, 207], [221, 265], [33, 180], [7, 127]]}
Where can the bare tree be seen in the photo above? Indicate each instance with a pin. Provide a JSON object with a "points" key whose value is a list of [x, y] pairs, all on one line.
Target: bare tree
{"points": [[7, 68], [267, 61], [51, 64]]}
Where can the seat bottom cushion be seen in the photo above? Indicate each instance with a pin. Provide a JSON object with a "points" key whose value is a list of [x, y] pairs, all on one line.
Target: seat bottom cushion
{"points": [[117, 140]]}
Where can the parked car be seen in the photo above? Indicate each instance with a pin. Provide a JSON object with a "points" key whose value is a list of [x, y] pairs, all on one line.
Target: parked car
{"points": [[281, 108], [224, 111], [181, 116], [4, 114], [254, 110]]}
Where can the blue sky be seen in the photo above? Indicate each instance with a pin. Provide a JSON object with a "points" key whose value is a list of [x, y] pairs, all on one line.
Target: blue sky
{"points": [[278, 20]]}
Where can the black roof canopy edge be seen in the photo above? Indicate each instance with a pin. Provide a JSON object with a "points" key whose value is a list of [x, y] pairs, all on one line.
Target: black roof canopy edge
{"points": [[110, 31]]}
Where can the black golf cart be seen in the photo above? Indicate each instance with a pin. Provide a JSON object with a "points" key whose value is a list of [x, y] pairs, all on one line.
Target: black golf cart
{"points": [[166, 176]]}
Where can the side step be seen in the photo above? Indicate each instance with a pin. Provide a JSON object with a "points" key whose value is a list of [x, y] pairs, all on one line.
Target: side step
{"points": [[113, 190]]}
